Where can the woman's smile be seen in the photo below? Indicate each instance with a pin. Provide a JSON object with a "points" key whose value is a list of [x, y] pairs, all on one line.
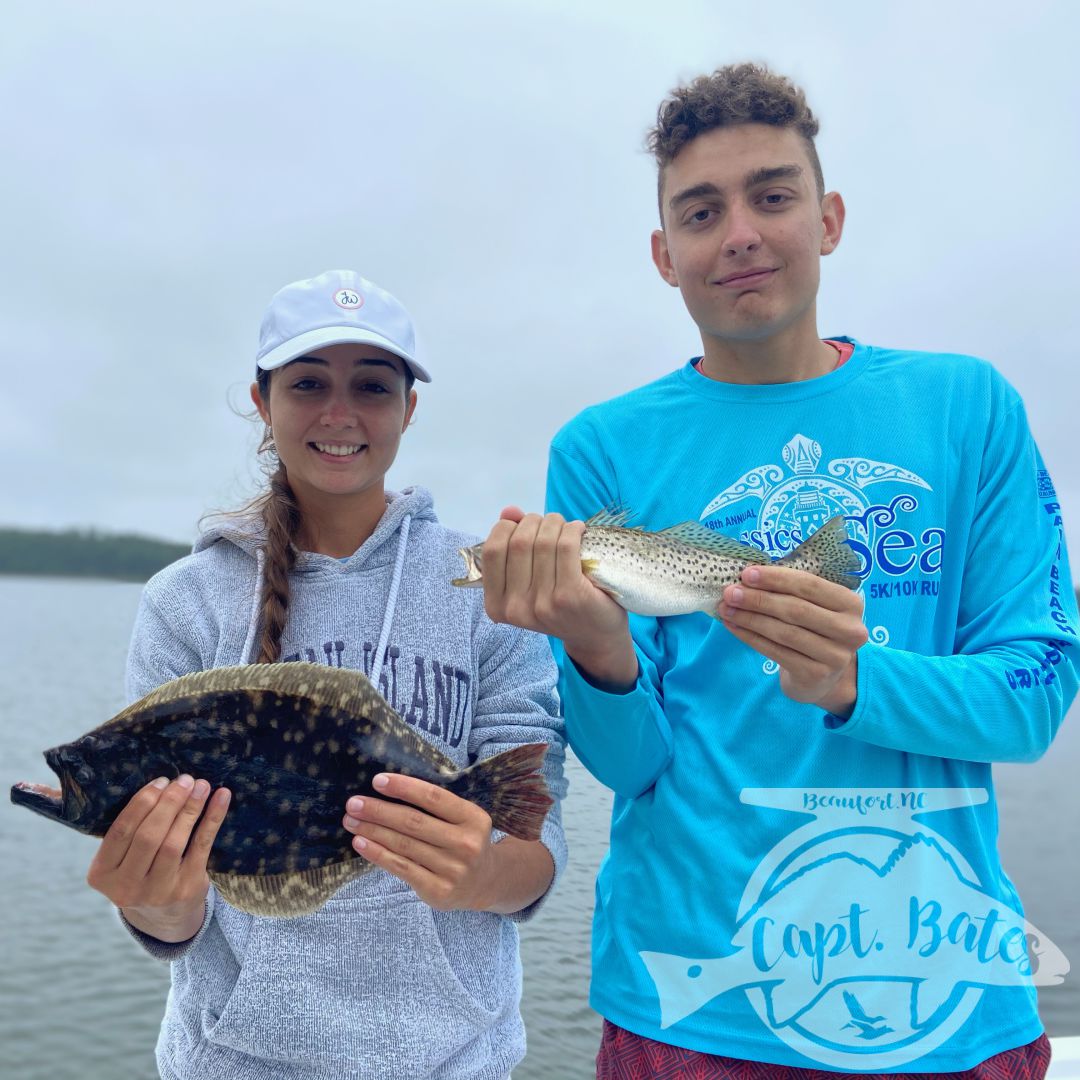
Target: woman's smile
{"points": [[338, 451]]}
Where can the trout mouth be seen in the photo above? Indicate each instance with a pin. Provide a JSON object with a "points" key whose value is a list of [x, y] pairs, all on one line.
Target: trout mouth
{"points": [[474, 575]]}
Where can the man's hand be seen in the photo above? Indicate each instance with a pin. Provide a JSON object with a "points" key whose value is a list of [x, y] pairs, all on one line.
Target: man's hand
{"points": [[533, 579], [811, 627]]}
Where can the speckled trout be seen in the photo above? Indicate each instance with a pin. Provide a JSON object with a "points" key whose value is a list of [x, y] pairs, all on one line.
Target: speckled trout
{"points": [[686, 567]]}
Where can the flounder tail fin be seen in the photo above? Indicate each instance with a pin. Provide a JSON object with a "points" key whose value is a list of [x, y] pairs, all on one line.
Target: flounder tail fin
{"points": [[827, 554], [510, 788]]}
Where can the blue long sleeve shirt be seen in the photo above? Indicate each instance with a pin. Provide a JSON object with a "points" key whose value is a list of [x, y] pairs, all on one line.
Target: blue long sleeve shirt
{"points": [[972, 659]]}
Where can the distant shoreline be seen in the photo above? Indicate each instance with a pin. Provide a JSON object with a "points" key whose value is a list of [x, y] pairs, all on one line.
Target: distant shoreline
{"points": [[60, 576], [85, 553]]}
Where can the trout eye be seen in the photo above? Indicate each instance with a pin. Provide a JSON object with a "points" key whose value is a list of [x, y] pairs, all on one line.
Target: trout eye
{"points": [[84, 774]]}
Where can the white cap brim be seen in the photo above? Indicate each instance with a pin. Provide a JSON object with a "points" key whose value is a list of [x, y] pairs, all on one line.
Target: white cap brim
{"points": [[296, 347]]}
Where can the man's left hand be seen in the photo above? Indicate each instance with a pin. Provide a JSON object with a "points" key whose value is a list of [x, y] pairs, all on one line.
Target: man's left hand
{"points": [[811, 627]]}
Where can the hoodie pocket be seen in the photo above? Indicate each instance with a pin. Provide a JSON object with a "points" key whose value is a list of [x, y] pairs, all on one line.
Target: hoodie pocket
{"points": [[363, 983]]}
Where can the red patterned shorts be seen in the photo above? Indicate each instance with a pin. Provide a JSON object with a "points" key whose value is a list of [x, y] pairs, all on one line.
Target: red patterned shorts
{"points": [[625, 1056]]}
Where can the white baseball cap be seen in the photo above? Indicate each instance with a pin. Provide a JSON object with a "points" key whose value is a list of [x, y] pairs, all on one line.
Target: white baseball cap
{"points": [[338, 307]]}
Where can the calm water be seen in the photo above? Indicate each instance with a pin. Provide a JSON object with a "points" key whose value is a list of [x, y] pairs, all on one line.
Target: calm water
{"points": [[78, 999]]}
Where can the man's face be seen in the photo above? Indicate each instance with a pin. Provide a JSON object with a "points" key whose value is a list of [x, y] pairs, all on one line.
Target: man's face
{"points": [[744, 230]]}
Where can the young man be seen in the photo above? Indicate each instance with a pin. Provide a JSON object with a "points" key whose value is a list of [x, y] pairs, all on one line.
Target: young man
{"points": [[802, 870]]}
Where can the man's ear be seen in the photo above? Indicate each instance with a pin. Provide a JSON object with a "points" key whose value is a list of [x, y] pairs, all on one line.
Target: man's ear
{"points": [[662, 258], [832, 217]]}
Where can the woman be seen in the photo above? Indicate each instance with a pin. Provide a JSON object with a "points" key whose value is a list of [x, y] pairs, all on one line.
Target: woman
{"points": [[412, 970]]}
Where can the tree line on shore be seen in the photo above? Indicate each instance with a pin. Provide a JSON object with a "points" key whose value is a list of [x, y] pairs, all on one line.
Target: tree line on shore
{"points": [[85, 553]]}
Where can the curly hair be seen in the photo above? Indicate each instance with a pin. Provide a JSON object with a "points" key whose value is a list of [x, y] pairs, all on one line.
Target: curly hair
{"points": [[736, 94]]}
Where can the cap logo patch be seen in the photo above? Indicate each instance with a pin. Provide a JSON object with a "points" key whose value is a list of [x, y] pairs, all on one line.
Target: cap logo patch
{"points": [[348, 298]]}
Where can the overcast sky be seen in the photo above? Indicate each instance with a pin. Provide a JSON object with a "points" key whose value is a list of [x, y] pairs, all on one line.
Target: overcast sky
{"points": [[168, 167]]}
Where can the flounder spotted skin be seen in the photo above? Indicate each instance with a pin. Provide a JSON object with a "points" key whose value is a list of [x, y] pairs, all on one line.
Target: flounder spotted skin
{"points": [[687, 567], [292, 742]]}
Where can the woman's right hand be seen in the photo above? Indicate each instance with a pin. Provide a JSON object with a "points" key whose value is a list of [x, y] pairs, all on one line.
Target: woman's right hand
{"points": [[145, 864]]}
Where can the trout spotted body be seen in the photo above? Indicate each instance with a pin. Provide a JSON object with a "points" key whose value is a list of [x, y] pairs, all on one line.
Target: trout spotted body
{"points": [[684, 568]]}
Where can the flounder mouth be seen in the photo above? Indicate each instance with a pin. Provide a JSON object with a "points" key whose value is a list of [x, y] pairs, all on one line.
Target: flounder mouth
{"points": [[40, 798]]}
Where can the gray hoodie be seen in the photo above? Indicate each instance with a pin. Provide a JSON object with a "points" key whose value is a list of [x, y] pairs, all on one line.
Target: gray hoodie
{"points": [[376, 984]]}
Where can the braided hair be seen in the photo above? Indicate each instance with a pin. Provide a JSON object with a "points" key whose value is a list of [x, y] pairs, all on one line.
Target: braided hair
{"points": [[281, 521]]}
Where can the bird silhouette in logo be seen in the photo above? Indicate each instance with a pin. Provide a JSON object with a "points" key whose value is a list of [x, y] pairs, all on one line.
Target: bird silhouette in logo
{"points": [[859, 1019]]}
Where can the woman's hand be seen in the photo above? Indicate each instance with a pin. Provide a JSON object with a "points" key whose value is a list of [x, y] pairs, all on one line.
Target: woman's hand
{"points": [[440, 845], [145, 864]]}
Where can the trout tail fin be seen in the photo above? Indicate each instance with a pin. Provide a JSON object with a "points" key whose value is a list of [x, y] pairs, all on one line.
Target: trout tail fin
{"points": [[827, 554]]}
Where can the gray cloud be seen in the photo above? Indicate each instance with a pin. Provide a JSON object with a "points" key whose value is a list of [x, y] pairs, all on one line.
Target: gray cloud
{"points": [[169, 168]]}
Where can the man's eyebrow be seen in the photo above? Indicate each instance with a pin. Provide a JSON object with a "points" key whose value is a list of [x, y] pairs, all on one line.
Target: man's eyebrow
{"points": [[695, 192], [772, 172]]}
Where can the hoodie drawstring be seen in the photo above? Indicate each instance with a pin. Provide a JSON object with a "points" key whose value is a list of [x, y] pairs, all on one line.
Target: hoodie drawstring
{"points": [[253, 619], [388, 617], [391, 602]]}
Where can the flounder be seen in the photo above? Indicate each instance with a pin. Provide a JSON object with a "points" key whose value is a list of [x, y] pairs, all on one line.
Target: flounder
{"points": [[292, 742]]}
